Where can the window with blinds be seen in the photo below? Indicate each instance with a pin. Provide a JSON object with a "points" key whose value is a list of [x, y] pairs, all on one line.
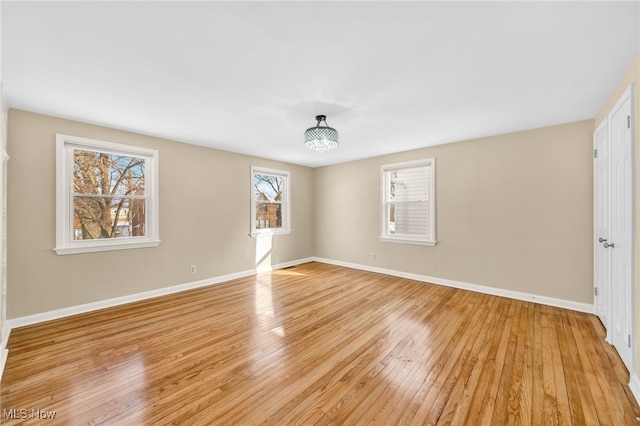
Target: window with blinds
{"points": [[408, 211]]}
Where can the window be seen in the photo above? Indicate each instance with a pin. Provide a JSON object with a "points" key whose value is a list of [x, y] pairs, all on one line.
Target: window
{"points": [[269, 201], [408, 208], [107, 196]]}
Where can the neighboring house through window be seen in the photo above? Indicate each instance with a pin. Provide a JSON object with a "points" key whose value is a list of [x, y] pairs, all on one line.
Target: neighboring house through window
{"points": [[107, 196], [269, 201], [408, 207]]}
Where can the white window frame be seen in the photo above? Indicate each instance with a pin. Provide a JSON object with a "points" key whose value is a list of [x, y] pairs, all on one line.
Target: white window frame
{"points": [[285, 203], [385, 236], [65, 243]]}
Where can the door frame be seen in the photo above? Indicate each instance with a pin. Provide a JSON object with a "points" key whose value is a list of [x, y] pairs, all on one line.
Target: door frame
{"points": [[604, 289]]}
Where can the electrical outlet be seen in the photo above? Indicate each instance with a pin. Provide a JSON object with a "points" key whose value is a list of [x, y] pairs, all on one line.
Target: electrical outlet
{"points": [[192, 269], [373, 256]]}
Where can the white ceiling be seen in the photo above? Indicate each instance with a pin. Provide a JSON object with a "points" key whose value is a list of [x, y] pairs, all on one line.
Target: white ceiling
{"points": [[250, 77]]}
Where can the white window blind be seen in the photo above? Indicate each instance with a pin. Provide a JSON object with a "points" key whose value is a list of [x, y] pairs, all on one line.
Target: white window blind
{"points": [[408, 202]]}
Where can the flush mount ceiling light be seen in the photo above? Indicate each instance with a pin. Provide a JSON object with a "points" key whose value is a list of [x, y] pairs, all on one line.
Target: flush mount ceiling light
{"points": [[321, 138]]}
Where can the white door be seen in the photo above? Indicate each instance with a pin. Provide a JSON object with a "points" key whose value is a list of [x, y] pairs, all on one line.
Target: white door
{"points": [[601, 255], [620, 238]]}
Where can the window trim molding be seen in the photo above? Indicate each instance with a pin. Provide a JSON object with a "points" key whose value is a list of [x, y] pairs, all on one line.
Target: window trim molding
{"points": [[286, 204], [408, 239], [64, 241]]}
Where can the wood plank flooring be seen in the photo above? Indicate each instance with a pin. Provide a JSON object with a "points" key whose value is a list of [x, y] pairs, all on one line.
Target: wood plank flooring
{"points": [[318, 344]]}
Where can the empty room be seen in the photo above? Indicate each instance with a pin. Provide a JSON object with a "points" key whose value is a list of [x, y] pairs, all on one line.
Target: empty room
{"points": [[319, 212]]}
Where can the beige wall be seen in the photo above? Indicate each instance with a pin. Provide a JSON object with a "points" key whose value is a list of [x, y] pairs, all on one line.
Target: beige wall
{"points": [[631, 76], [204, 220], [513, 212]]}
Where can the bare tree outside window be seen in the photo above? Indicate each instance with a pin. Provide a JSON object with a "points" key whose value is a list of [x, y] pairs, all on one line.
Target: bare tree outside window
{"points": [[270, 202], [268, 193], [106, 196], [109, 198]]}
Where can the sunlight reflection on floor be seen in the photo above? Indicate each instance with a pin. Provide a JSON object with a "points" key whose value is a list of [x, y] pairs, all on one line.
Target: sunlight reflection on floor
{"points": [[264, 308], [286, 272], [263, 252]]}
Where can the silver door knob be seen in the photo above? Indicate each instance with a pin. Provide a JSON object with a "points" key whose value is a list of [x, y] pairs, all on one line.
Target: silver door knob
{"points": [[602, 240], [607, 245]]}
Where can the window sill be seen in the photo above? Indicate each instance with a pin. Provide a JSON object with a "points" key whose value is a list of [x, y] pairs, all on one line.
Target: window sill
{"points": [[400, 240], [105, 247], [269, 232]]}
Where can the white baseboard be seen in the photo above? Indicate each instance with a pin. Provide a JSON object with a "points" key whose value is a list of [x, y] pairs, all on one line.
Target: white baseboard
{"points": [[527, 297], [6, 330], [88, 307], [4, 353], [634, 384]]}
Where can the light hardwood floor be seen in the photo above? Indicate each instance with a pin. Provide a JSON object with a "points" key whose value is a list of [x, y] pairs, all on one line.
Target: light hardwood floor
{"points": [[318, 344]]}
